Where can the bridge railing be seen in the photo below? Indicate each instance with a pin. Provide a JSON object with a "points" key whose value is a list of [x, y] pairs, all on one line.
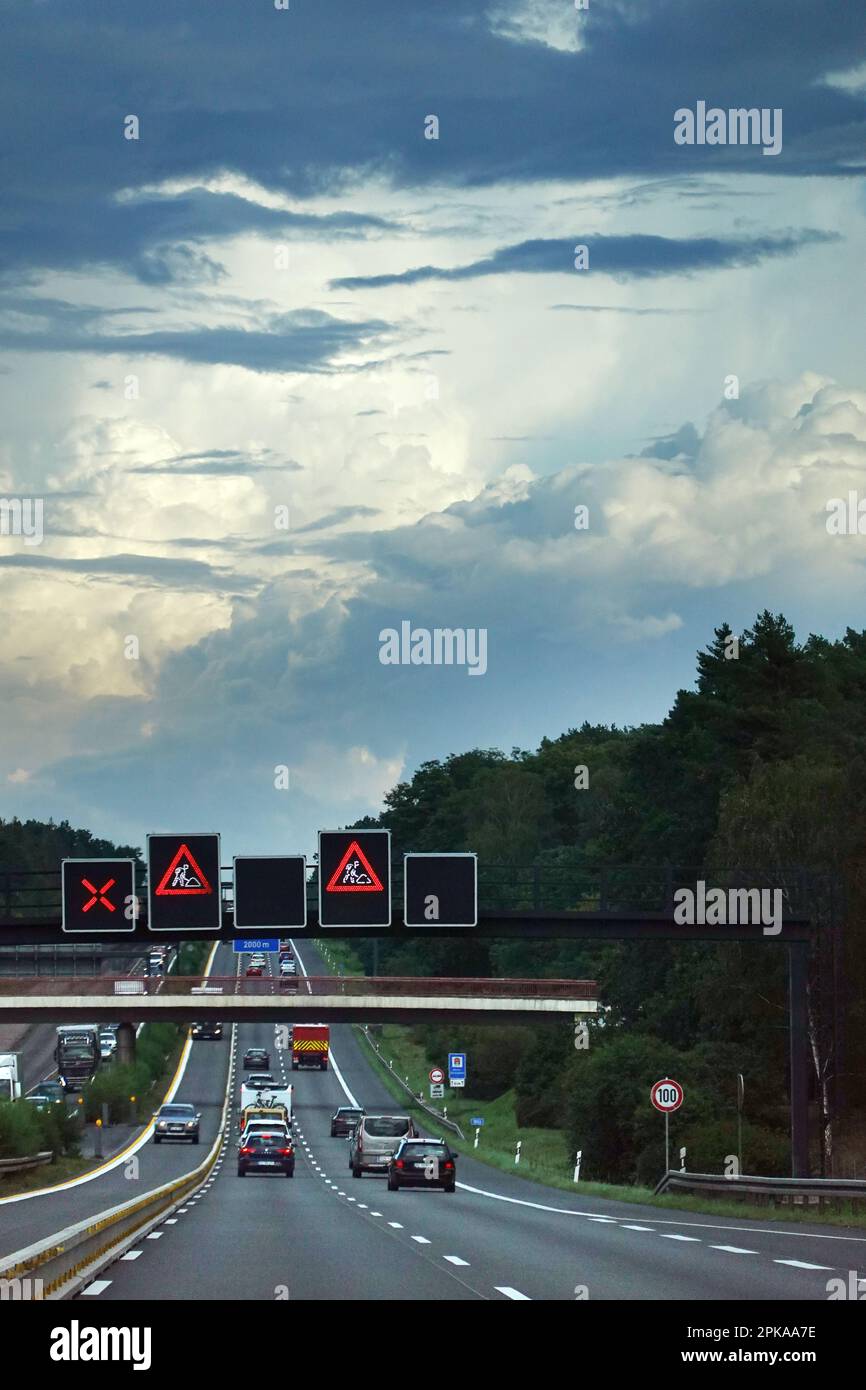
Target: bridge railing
{"points": [[321, 985]]}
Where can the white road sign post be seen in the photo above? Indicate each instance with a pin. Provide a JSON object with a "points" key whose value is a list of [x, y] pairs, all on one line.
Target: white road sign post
{"points": [[667, 1096], [577, 1159]]}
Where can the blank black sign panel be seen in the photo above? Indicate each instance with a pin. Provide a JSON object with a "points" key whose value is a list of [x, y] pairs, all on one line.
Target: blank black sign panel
{"points": [[270, 891], [440, 890]]}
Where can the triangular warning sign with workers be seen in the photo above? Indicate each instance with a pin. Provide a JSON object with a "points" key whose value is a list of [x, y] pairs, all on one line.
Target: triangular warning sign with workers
{"points": [[354, 874], [183, 876]]}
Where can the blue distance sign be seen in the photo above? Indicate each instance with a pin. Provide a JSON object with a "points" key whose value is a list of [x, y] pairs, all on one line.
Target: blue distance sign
{"points": [[248, 944]]}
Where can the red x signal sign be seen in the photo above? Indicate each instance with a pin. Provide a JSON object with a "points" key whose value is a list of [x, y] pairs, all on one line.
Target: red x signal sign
{"points": [[98, 894]]}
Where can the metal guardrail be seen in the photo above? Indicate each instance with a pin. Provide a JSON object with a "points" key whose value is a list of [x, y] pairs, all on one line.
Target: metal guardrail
{"points": [[23, 1165], [834, 1188], [416, 1099], [68, 1260]]}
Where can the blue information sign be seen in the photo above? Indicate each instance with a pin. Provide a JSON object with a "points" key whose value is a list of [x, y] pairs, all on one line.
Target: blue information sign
{"points": [[456, 1064], [255, 943]]}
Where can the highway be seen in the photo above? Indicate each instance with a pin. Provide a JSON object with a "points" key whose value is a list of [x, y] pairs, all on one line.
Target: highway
{"points": [[324, 1235]]}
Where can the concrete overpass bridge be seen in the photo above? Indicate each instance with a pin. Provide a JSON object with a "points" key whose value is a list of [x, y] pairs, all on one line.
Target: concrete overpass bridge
{"points": [[341, 999]]}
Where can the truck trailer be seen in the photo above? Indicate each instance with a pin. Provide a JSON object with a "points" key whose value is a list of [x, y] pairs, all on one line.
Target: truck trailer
{"points": [[310, 1045], [10, 1075]]}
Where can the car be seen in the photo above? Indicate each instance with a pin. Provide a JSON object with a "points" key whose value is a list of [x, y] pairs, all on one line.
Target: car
{"points": [[423, 1163], [207, 1030], [268, 1152], [345, 1119], [376, 1138], [288, 982], [256, 1057], [254, 970], [176, 1121], [47, 1093], [287, 968], [260, 1080]]}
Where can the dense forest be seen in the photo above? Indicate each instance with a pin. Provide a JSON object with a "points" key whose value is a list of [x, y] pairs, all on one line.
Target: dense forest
{"points": [[756, 775]]}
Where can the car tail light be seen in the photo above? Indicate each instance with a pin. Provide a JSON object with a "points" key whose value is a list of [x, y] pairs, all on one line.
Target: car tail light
{"points": [[285, 1151], [399, 1163], [448, 1163], [246, 1151]]}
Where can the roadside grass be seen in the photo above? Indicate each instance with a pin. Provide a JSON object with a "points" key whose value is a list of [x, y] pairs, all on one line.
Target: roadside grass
{"points": [[67, 1166], [61, 1171], [339, 955], [542, 1156]]}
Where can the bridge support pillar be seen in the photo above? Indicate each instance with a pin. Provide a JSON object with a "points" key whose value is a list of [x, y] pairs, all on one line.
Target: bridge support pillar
{"points": [[798, 1019], [126, 1044]]}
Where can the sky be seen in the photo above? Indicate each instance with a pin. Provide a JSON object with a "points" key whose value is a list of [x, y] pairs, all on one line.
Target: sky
{"points": [[296, 346]]}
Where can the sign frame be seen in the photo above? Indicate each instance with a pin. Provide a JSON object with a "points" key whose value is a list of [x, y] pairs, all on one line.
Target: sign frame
{"points": [[350, 836], [277, 926], [182, 839], [435, 854], [130, 923]]}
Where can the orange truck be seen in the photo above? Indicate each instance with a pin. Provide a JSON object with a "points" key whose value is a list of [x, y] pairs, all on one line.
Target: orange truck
{"points": [[310, 1043]]}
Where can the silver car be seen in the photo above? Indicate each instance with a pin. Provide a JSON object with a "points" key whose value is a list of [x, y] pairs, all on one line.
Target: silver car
{"points": [[376, 1139]]}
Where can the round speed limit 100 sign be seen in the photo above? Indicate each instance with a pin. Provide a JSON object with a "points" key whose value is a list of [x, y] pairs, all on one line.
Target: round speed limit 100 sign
{"points": [[667, 1095]]}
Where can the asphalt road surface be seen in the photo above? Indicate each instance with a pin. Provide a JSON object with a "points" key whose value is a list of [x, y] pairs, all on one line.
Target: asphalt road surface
{"points": [[325, 1235]]}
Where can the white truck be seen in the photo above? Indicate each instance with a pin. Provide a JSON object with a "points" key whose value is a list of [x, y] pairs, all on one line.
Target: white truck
{"points": [[10, 1075]]}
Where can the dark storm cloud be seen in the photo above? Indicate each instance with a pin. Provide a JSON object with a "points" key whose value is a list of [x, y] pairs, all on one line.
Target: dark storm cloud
{"points": [[623, 257], [299, 341], [219, 463], [310, 98], [158, 571]]}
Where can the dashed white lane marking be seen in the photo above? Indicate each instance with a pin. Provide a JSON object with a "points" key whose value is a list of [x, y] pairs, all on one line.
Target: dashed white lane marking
{"points": [[801, 1264], [456, 1260], [734, 1249], [513, 1293], [362, 1206], [396, 1224], [351, 1199], [609, 1220], [422, 1240], [97, 1287], [637, 1228], [375, 1213], [171, 1221], [340, 1194], [155, 1235], [132, 1254], [670, 1235]]}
